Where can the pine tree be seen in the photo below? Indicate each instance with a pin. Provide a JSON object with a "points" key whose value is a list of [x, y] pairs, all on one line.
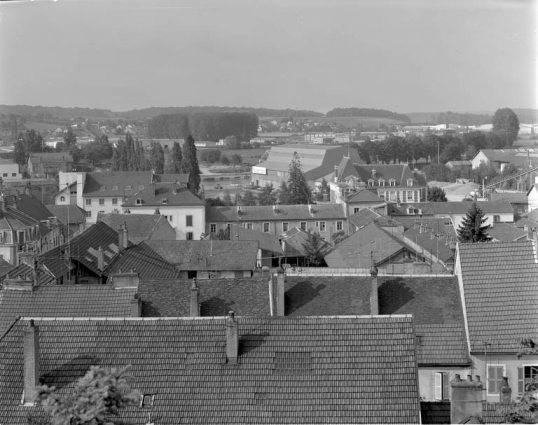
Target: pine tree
{"points": [[283, 195], [177, 158], [141, 155], [267, 195], [115, 160], [471, 229], [189, 165], [227, 198], [297, 188], [248, 198]]}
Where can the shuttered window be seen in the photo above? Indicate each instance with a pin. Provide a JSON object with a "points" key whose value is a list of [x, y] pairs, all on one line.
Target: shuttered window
{"points": [[495, 378]]}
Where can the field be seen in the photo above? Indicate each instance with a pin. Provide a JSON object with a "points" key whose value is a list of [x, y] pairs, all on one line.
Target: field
{"points": [[345, 121]]}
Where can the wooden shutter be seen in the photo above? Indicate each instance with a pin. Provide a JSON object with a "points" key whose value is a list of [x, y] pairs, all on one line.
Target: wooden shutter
{"points": [[446, 386], [520, 381], [438, 386]]}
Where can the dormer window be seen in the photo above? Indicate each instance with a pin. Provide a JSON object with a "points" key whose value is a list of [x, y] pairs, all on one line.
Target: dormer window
{"points": [[138, 201], [164, 201], [146, 400], [370, 183], [381, 182], [410, 210], [392, 182], [102, 188], [115, 187], [128, 187], [409, 182]]}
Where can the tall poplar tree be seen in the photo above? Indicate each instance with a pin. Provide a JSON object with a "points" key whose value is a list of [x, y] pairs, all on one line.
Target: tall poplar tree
{"points": [[189, 165], [177, 158], [298, 190]]}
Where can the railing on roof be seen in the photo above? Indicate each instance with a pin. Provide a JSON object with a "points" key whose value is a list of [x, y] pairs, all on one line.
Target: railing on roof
{"points": [[363, 271]]}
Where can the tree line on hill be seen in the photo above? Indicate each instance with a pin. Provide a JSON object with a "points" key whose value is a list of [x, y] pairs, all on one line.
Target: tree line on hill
{"points": [[211, 126], [462, 118], [367, 112], [188, 110]]}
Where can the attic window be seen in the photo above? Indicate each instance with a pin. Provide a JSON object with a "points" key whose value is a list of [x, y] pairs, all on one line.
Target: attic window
{"points": [[381, 182], [409, 182], [115, 187], [138, 201], [147, 400], [392, 182], [102, 188], [164, 201], [410, 210], [370, 183], [293, 363], [128, 187]]}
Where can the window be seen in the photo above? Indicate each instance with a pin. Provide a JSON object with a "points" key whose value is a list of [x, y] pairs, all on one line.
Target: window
{"points": [[101, 201], [115, 187], [102, 188], [213, 228], [356, 210], [229, 227], [170, 218], [114, 201], [146, 400], [303, 225], [496, 218], [321, 226], [339, 225], [526, 375], [409, 182], [266, 227], [371, 183], [164, 201], [249, 226], [88, 201], [21, 237], [62, 198], [190, 236], [392, 182], [285, 227], [409, 195], [188, 220], [139, 201], [381, 182], [495, 378], [89, 214], [13, 174], [4, 175], [442, 386]]}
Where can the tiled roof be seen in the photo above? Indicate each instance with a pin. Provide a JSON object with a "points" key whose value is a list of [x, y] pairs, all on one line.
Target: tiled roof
{"points": [[294, 240], [506, 232], [51, 157], [515, 198], [67, 214], [302, 370], [364, 195], [267, 241], [5, 267], [208, 255], [283, 212], [139, 226], [29, 206], [171, 297], [443, 235], [64, 301], [357, 249], [83, 245], [54, 261], [119, 183], [366, 216], [428, 208], [435, 412], [144, 260], [442, 345], [514, 156], [163, 195], [500, 284], [533, 224]]}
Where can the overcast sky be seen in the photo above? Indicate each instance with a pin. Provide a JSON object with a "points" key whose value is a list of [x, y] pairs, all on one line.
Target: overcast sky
{"points": [[401, 55]]}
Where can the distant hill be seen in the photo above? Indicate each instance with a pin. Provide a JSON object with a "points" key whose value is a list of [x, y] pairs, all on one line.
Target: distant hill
{"points": [[367, 112], [260, 112], [56, 111]]}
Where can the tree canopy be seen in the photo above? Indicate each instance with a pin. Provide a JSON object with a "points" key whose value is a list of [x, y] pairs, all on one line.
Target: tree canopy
{"points": [[505, 122], [436, 194], [314, 248], [471, 229], [190, 164], [297, 189]]}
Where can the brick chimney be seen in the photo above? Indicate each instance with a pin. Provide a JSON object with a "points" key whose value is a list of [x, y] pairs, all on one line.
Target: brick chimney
{"points": [[31, 363], [136, 306], [195, 306], [100, 259], [232, 339], [374, 299], [466, 399], [280, 293], [506, 392]]}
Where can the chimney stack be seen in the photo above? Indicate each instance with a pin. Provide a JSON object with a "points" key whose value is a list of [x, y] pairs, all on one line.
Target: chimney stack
{"points": [[506, 392], [374, 172], [195, 307], [31, 363], [466, 399], [280, 294], [100, 259], [123, 237], [232, 339], [136, 306], [374, 301], [336, 173]]}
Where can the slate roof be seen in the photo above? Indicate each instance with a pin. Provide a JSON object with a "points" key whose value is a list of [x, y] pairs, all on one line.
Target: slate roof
{"points": [[302, 370], [51, 157], [140, 227], [500, 284], [84, 244], [163, 195], [171, 297], [357, 249], [119, 183], [171, 178], [506, 232], [514, 156], [28, 205], [67, 214], [432, 208], [283, 212], [64, 301], [515, 198], [208, 255], [266, 241], [366, 216], [5, 267], [294, 240], [144, 260], [364, 195], [399, 172], [443, 235]]}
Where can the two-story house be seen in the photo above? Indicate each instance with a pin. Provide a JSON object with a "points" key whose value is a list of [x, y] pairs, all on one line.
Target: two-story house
{"points": [[324, 219], [49, 165]]}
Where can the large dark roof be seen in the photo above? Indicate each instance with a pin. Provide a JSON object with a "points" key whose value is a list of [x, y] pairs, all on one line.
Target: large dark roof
{"points": [[64, 301], [67, 214], [163, 195], [208, 255], [501, 294], [59, 157], [28, 205], [119, 183], [302, 370], [267, 241], [139, 226], [432, 208], [282, 213]]}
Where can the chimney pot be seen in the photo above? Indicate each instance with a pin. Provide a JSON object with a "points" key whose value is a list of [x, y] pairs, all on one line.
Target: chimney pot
{"points": [[136, 306], [100, 259], [195, 306], [280, 291], [31, 363], [232, 339], [374, 297], [466, 399]]}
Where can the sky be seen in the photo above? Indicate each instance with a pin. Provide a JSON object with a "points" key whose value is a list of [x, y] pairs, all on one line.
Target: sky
{"points": [[400, 55]]}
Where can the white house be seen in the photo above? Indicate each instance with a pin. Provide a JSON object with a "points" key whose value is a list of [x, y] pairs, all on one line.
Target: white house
{"points": [[9, 170], [532, 195]]}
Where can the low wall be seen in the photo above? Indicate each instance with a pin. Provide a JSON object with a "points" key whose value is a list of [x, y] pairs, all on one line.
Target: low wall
{"points": [[407, 269]]}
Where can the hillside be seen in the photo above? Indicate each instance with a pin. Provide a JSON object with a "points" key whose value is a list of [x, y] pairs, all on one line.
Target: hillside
{"points": [[56, 111], [155, 111], [367, 113]]}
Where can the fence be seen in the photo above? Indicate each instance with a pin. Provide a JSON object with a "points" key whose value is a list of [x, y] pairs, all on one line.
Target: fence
{"points": [[407, 269]]}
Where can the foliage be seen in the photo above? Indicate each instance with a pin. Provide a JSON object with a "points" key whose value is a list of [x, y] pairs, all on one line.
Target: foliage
{"points": [[190, 164], [267, 195], [338, 237], [314, 248], [70, 138], [223, 235], [237, 159], [471, 229], [298, 191], [177, 159], [283, 195], [98, 150], [227, 199], [101, 393], [210, 155], [367, 112], [156, 157], [231, 142], [224, 160], [436, 194], [215, 202], [438, 172], [505, 122], [129, 155], [249, 199], [27, 143]]}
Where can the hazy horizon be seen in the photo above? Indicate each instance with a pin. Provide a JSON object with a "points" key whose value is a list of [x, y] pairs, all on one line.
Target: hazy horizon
{"points": [[407, 56]]}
